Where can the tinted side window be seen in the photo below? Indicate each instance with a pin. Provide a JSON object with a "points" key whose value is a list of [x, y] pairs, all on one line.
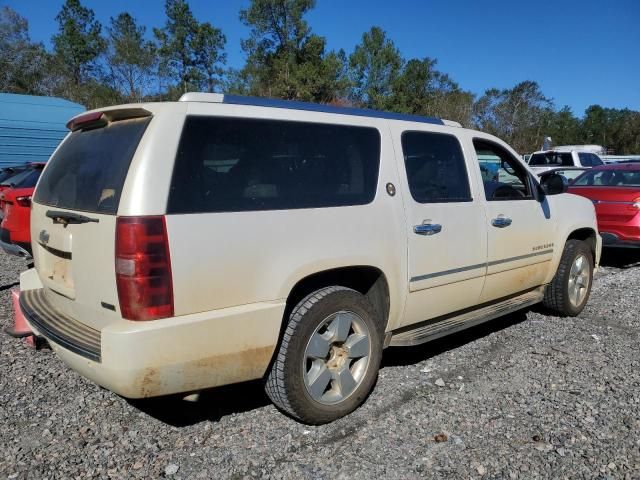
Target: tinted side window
{"points": [[566, 159], [239, 164], [435, 166], [538, 159], [551, 159], [585, 159], [596, 160], [511, 180]]}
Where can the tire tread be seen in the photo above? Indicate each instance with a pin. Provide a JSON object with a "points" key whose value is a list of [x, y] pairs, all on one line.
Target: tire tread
{"points": [[555, 295], [275, 381]]}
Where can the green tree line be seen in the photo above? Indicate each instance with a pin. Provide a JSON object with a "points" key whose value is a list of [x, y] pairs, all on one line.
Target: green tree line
{"points": [[121, 62]]}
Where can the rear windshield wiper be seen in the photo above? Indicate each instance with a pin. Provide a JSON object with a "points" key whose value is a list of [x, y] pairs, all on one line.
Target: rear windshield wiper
{"points": [[67, 217]]}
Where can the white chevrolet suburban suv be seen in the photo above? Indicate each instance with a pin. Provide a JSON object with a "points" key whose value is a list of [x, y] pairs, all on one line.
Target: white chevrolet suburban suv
{"points": [[186, 245]]}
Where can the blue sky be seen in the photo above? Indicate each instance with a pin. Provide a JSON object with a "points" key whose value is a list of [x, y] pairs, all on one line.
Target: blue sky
{"points": [[581, 52]]}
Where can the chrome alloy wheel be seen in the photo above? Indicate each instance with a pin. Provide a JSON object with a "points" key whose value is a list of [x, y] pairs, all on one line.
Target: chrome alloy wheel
{"points": [[579, 279], [336, 358]]}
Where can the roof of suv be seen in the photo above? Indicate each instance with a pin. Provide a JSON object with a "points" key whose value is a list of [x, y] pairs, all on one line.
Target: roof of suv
{"points": [[313, 107]]}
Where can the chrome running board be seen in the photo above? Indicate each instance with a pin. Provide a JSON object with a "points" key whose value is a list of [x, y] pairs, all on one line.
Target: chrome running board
{"points": [[441, 326]]}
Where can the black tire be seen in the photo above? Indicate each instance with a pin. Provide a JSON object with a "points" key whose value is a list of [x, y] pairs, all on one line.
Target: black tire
{"points": [[556, 295], [285, 382]]}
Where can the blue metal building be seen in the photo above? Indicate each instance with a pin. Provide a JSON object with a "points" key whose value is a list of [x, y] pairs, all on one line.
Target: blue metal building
{"points": [[32, 127]]}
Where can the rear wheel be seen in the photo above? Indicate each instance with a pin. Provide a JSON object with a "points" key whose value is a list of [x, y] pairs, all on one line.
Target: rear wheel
{"points": [[329, 357], [569, 290]]}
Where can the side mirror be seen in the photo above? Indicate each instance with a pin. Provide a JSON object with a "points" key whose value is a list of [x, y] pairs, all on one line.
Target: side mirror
{"points": [[554, 184]]}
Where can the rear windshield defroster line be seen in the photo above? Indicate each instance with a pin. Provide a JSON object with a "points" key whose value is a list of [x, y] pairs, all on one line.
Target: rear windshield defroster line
{"points": [[88, 171]]}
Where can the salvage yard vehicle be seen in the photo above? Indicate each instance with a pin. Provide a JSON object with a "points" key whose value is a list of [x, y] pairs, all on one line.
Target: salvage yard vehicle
{"points": [[615, 191], [15, 211], [186, 245], [548, 159], [12, 175]]}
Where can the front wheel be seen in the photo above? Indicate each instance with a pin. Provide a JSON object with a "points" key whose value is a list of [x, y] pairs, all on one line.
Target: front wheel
{"points": [[329, 357], [568, 292]]}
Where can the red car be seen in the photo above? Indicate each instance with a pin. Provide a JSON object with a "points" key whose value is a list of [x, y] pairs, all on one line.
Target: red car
{"points": [[615, 192], [15, 210]]}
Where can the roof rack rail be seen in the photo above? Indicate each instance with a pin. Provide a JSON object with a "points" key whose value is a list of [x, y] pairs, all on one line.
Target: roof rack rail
{"points": [[308, 106]]}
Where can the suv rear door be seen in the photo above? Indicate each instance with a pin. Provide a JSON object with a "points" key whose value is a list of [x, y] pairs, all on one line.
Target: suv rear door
{"points": [[74, 213]]}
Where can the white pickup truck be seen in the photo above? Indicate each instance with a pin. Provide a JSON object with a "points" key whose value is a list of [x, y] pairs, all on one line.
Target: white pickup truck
{"points": [[186, 245], [545, 160]]}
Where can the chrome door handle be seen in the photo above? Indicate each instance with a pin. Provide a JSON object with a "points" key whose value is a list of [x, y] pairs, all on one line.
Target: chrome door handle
{"points": [[427, 229], [501, 222]]}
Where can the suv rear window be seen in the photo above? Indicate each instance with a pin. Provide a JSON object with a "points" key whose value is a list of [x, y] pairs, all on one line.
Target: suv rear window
{"points": [[88, 171], [239, 164], [596, 161], [585, 159]]}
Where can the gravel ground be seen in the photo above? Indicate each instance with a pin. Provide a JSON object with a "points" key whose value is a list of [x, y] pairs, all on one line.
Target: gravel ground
{"points": [[526, 396]]}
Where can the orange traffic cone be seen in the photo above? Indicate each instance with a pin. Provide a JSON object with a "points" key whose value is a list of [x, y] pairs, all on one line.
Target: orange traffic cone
{"points": [[20, 327]]}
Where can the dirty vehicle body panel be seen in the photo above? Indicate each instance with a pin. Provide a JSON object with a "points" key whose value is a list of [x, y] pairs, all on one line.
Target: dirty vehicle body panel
{"points": [[236, 263]]}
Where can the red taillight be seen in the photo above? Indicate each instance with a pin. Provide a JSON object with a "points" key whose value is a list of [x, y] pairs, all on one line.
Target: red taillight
{"points": [[143, 268], [24, 201]]}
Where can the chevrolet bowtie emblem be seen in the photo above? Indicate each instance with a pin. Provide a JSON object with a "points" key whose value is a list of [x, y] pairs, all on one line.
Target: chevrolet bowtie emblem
{"points": [[44, 236]]}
